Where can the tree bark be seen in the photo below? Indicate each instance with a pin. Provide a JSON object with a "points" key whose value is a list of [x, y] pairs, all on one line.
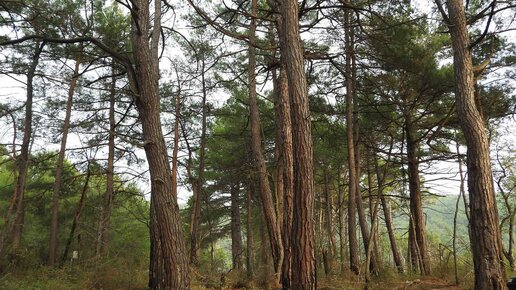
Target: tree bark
{"points": [[249, 235], [103, 241], [354, 263], [176, 139], [52, 249], [390, 231], [77, 216], [373, 211], [12, 203], [198, 197], [269, 212], [485, 234], [285, 169], [329, 223], [418, 248], [168, 259], [302, 239], [342, 223], [236, 236], [24, 158]]}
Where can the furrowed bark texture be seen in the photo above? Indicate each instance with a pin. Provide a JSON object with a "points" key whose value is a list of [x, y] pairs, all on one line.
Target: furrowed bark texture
{"points": [[485, 234], [302, 239], [273, 228], [285, 170], [418, 248], [168, 259]]}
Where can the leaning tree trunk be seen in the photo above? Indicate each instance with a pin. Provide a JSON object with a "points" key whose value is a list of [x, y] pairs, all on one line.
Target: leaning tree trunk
{"points": [[198, 190], [418, 248], [168, 259], [485, 234], [23, 158], [284, 166], [52, 255], [77, 216], [9, 212], [387, 216], [256, 141], [103, 240], [302, 239]]}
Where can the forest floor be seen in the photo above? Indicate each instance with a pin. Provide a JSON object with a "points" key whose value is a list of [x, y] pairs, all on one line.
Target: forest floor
{"points": [[397, 283], [121, 279]]}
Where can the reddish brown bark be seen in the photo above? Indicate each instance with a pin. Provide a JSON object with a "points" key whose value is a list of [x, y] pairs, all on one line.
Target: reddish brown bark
{"points": [[417, 240], [269, 212], [168, 260], [285, 169], [302, 239], [485, 235]]}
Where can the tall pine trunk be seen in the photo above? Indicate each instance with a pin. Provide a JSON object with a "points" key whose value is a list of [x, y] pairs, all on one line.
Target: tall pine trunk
{"points": [[302, 238], [168, 260], [103, 237], [52, 249], [285, 169], [485, 235], [354, 263], [198, 183], [256, 141], [417, 240], [24, 158]]}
